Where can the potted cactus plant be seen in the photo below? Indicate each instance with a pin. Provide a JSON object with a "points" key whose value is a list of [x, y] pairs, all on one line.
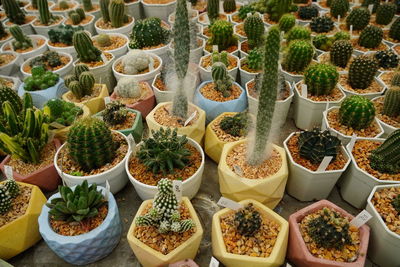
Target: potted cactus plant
{"points": [[60, 39], [83, 91], [231, 62], [114, 18], [275, 9], [392, 35], [240, 164], [370, 39], [223, 37], [385, 14], [253, 27], [251, 222], [5, 35], [296, 59], [20, 206], [240, 15], [305, 14], [97, 156], [298, 33], [33, 7], [81, 224], [63, 7], [388, 60], [16, 16], [339, 8], [78, 17], [373, 162], [9, 62], [250, 66], [46, 21], [305, 151], [25, 139], [358, 18], [114, 43], [91, 8], [184, 160], [213, 13], [323, 24], [339, 55]]}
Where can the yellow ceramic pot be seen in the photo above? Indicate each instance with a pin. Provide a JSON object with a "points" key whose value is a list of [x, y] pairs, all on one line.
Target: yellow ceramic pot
{"points": [[95, 104], [277, 256], [268, 191], [149, 257], [22, 233], [194, 131]]}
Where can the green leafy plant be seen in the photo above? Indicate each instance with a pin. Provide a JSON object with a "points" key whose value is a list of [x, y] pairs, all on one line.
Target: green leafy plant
{"points": [[62, 112], [222, 80], [321, 79], [359, 18], [308, 12], [340, 53], [14, 12], [362, 72], [370, 37], [321, 24], [356, 112], [115, 113], [147, 33], [80, 83], [63, 34], [386, 158], [222, 35], [247, 220], [21, 41], [83, 45], [298, 56], [40, 79], [236, 125]]}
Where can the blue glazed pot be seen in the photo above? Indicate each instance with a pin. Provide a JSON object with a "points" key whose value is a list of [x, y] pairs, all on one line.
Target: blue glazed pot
{"points": [[40, 97], [86, 248], [215, 108]]}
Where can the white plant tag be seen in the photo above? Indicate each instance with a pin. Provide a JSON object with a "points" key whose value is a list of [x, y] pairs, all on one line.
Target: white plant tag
{"points": [[107, 190], [191, 117], [57, 125], [352, 142], [215, 48], [324, 163], [107, 100], [304, 90], [177, 185], [238, 170], [228, 203], [351, 30], [370, 7], [361, 219], [9, 172], [338, 19], [214, 262], [132, 143], [323, 126]]}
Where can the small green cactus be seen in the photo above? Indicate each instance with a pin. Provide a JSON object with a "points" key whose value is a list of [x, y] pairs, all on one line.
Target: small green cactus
{"points": [[371, 37], [287, 22], [359, 18], [362, 72], [115, 113], [308, 12], [386, 158], [83, 45], [298, 33], [222, 80], [247, 220], [395, 79], [339, 8], [385, 13], [5, 200], [220, 57], [212, 10], [254, 29], [356, 112], [105, 14], [12, 188], [236, 125], [87, 5], [321, 24], [298, 56], [103, 40], [222, 35], [340, 53], [63, 5], [394, 31], [244, 10], [255, 59], [81, 83], [8, 94], [45, 16], [229, 6], [322, 42], [21, 41], [277, 8], [148, 32], [391, 105], [321, 79]]}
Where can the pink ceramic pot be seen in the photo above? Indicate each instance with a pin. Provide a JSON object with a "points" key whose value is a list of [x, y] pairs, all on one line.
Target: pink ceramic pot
{"points": [[144, 106], [46, 178], [184, 263], [297, 250]]}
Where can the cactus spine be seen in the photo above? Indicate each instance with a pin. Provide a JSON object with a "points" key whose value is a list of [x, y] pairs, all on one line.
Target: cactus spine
{"points": [[104, 10], [267, 98], [340, 53], [213, 10], [14, 12], [254, 28], [87, 5], [362, 72], [83, 45], [359, 18], [321, 79], [117, 12], [371, 37], [221, 78], [385, 13], [356, 112], [391, 105], [386, 158], [298, 56]]}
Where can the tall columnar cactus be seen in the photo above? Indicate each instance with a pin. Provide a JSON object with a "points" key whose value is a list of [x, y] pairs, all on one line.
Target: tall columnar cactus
{"points": [[267, 98], [181, 57], [359, 18], [321, 24], [277, 8], [104, 10], [394, 31], [321, 79], [229, 6], [90, 143], [386, 158], [222, 80], [222, 35], [117, 13], [21, 40], [385, 13], [391, 105], [362, 72], [298, 33], [287, 22], [340, 53], [147, 33], [81, 83], [371, 37], [339, 8], [7, 94], [83, 45], [356, 112], [213, 10], [14, 12], [298, 56], [45, 16], [87, 5], [254, 29]]}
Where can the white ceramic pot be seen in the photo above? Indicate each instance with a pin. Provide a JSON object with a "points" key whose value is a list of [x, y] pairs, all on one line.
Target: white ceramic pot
{"points": [[388, 129], [166, 96], [367, 95], [118, 52], [36, 11], [307, 185], [12, 66], [292, 78], [245, 76], [149, 76], [88, 26], [6, 40], [16, 81], [161, 11], [116, 176], [160, 51], [357, 184], [189, 187], [126, 30], [62, 72], [133, 9], [33, 53], [44, 30], [26, 28], [64, 12], [205, 74], [67, 50]]}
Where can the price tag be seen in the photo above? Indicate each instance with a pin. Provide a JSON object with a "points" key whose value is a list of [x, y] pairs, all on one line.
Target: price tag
{"points": [[362, 218], [177, 185], [370, 7], [107, 100], [214, 262], [215, 48], [351, 30], [324, 163], [238, 170], [56, 125], [107, 190], [191, 117], [9, 172], [304, 90], [352, 142], [228, 203]]}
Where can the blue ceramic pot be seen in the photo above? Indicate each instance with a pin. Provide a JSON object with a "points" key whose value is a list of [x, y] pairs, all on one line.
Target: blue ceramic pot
{"points": [[86, 248], [215, 108]]}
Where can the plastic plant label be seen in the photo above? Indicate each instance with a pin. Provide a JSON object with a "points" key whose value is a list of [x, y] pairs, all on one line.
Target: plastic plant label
{"points": [[57, 125], [191, 117], [361, 219], [215, 48], [352, 142], [238, 170], [214, 262], [107, 190], [177, 186], [351, 30], [324, 163], [338, 19], [228, 203], [9, 172], [304, 90], [370, 7], [107, 100]]}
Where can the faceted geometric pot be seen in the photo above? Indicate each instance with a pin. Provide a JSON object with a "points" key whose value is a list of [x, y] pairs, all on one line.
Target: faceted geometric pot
{"points": [[95, 104]]}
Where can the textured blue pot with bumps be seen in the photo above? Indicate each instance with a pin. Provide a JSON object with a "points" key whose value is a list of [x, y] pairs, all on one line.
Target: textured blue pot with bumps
{"points": [[86, 248]]}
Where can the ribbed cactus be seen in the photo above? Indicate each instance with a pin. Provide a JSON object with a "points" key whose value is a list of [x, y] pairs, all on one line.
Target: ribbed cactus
{"points": [[362, 72], [340, 53], [45, 16], [267, 98], [308, 12], [212, 10], [254, 29], [77, 16], [222, 80], [385, 13], [394, 31], [339, 8], [386, 158], [391, 105], [359, 18], [321, 79], [321, 24], [117, 12], [90, 143], [356, 112], [222, 35], [298, 56], [298, 33], [7, 94], [277, 8], [148, 32], [220, 57], [287, 22], [181, 41], [395, 79], [83, 45], [87, 5], [229, 6], [81, 83], [21, 40], [104, 10], [371, 37], [14, 12]]}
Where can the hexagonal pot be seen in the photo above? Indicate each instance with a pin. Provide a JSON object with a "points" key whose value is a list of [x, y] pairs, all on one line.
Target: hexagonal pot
{"points": [[277, 256], [268, 191], [195, 131], [95, 104], [62, 133], [89, 247], [385, 244], [367, 95], [298, 252], [44, 29], [205, 74], [46, 178], [61, 71], [12, 66], [35, 52], [387, 128], [23, 232], [149, 257], [307, 185], [161, 11]]}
